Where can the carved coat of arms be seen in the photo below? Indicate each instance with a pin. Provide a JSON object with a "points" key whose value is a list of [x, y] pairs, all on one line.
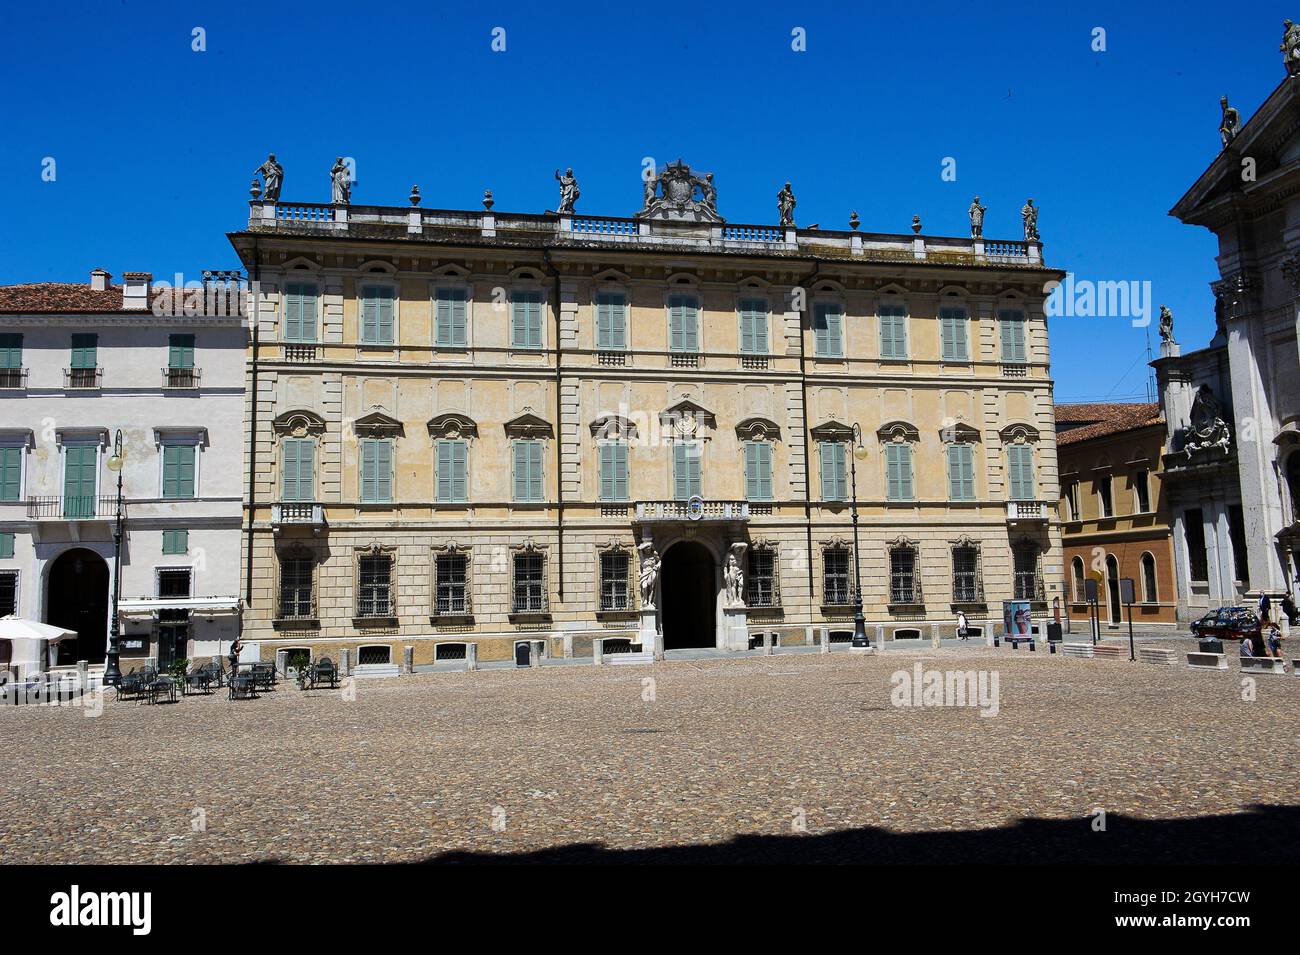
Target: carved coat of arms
{"points": [[678, 193]]}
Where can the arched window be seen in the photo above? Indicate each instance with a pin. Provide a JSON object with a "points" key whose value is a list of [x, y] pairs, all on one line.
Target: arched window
{"points": [[1149, 594], [1076, 570]]}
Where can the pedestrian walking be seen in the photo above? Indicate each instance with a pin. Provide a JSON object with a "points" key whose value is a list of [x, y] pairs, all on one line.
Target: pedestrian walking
{"points": [[963, 628], [1289, 608], [1273, 642]]}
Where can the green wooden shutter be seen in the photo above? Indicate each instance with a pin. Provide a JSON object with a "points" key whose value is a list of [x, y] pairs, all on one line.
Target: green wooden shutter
{"points": [[611, 320], [620, 472], [369, 470], [758, 471], [85, 351], [1013, 336], [176, 541], [377, 315], [834, 480], [180, 351], [893, 332], [460, 471], [961, 472], [11, 351], [952, 323], [79, 463], [443, 478], [178, 471], [683, 324], [299, 469], [526, 320], [6, 545], [450, 320], [11, 473], [293, 313], [1020, 468], [528, 470], [607, 472], [828, 330], [686, 470], [753, 327]]}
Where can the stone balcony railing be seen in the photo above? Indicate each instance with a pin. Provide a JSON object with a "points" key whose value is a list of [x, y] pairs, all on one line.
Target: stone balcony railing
{"points": [[297, 513], [1027, 511], [553, 229], [694, 509]]}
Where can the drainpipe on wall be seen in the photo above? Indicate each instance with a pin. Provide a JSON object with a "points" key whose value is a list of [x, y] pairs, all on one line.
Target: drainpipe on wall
{"points": [[807, 438], [255, 287], [559, 430]]}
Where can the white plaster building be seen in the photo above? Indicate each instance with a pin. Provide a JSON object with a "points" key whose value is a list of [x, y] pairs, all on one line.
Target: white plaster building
{"points": [[77, 364]]}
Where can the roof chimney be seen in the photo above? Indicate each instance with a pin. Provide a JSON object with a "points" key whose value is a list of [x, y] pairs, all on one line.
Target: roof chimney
{"points": [[135, 290], [99, 280]]}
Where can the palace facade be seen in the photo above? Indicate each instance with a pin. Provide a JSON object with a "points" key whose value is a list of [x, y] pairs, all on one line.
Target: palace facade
{"points": [[494, 428]]}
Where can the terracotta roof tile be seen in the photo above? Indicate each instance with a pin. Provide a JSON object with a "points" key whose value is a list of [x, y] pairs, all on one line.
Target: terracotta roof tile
{"points": [[59, 297], [1075, 423]]}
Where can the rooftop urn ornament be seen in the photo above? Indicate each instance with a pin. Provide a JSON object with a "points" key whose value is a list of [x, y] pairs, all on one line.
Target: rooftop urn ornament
{"points": [[785, 203], [340, 183], [1166, 324], [1029, 216], [488, 201], [916, 225], [1290, 47], [255, 188], [1230, 125], [854, 221], [273, 174], [569, 191], [977, 219], [415, 195]]}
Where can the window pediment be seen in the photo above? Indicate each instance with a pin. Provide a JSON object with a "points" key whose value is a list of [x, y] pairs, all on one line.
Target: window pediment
{"points": [[613, 427], [898, 431], [377, 423], [528, 425], [453, 425], [832, 430], [959, 433], [1018, 432], [758, 429], [683, 419], [298, 423]]}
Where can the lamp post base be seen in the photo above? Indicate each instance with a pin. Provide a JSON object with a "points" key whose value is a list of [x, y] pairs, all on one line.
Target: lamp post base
{"points": [[861, 643], [112, 671]]}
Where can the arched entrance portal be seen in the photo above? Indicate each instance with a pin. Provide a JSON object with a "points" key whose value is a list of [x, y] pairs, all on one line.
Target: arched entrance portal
{"points": [[688, 595], [77, 599]]}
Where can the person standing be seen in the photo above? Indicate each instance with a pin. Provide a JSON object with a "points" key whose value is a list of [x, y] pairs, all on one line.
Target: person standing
{"points": [[1265, 609], [963, 629]]}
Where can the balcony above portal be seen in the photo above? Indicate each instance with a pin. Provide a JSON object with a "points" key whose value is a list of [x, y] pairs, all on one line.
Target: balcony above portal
{"points": [[692, 510]]}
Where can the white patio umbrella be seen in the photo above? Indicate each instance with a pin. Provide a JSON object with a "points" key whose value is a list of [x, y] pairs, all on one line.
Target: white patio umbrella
{"points": [[26, 638]]}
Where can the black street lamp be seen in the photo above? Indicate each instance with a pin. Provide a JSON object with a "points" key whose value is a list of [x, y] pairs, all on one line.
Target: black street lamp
{"points": [[112, 671], [860, 640]]}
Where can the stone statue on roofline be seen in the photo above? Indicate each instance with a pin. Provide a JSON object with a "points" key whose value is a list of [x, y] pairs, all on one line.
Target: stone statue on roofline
{"points": [[709, 192], [1290, 47], [1029, 216], [1166, 324], [1230, 124], [340, 183], [569, 191], [977, 218], [272, 174], [785, 203]]}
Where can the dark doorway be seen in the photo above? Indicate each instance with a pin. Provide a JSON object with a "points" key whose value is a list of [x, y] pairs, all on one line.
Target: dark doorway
{"points": [[173, 636], [688, 593], [1112, 590], [77, 599]]}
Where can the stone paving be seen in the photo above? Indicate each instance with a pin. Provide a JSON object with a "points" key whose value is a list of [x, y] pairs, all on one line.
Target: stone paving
{"points": [[791, 757]]}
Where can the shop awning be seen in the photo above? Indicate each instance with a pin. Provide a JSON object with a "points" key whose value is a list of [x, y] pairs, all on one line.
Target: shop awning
{"points": [[145, 608]]}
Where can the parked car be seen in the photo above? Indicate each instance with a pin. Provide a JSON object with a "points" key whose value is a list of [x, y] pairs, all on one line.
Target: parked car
{"points": [[1228, 623]]}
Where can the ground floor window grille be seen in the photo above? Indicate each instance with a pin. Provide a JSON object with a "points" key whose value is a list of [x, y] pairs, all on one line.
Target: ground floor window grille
{"points": [[761, 588], [904, 580], [452, 590], [375, 591], [529, 584], [966, 584], [449, 651], [1028, 583], [8, 593], [297, 600], [174, 582], [840, 636], [835, 576], [374, 655], [615, 593]]}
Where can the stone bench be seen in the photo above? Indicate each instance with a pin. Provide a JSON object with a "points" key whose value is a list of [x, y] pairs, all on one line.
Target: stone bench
{"points": [[1077, 650], [1263, 664], [1160, 656], [1110, 651], [1207, 661]]}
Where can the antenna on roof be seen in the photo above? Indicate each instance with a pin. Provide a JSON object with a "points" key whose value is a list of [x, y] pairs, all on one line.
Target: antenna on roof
{"points": [[1151, 372]]}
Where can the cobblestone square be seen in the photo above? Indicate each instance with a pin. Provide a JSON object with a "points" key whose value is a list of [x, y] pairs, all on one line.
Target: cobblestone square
{"points": [[790, 757]]}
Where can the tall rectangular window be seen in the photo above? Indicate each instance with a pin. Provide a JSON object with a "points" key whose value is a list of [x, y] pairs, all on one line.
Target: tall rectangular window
{"points": [[298, 470], [376, 470], [961, 472], [903, 583], [1142, 489], [377, 310], [11, 360], [452, 466], [683, 323], [1020, 468], [760, 582], [11, 473], [297, 594], [1105, 498], [180, 351], [828, 330], [834, 476], [1194, 530], [452, 584], [614, 591], [952, 330], [1025, 567], [176, 541], [300, 312], [451, 306], [529, 584], [893, 331], [84, 362], [965, 574], [8, 593], [1072, 500], [613, 471], [1013, 336], [528, 470], [375, 586], [758, 471], [178, 471], [526, 319], [753, 326], [836, 591], [80, 462], [6, 546], [898, 471], [611, 320], [687, 481]]}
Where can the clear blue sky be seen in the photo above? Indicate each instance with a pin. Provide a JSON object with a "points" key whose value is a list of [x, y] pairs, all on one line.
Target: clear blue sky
{"points": [[155, 143]]}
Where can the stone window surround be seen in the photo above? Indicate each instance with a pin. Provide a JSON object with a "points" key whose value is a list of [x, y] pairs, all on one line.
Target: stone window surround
{"points": [[838, 545], [16, 575], [608, 548], [904, 544], [753, 289], [24, 440], [894, 296], [297, 553], [527, 279], [969, 543], [773, 548], [453, 426], [954, 296], [611, 280], [683, 283], [452, 548], [380, 275], [99, 436], [456, 278], [531, 548], [374, 549], [197, 437], [829, 293]]}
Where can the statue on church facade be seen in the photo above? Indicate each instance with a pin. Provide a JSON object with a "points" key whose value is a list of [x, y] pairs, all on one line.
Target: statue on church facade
{"points": [[1029, 216], [1207, 428], [272, 174], [785, 203], [1230, 124], [1290, 47], [977, 218], [569, 191], [340, 183]]}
